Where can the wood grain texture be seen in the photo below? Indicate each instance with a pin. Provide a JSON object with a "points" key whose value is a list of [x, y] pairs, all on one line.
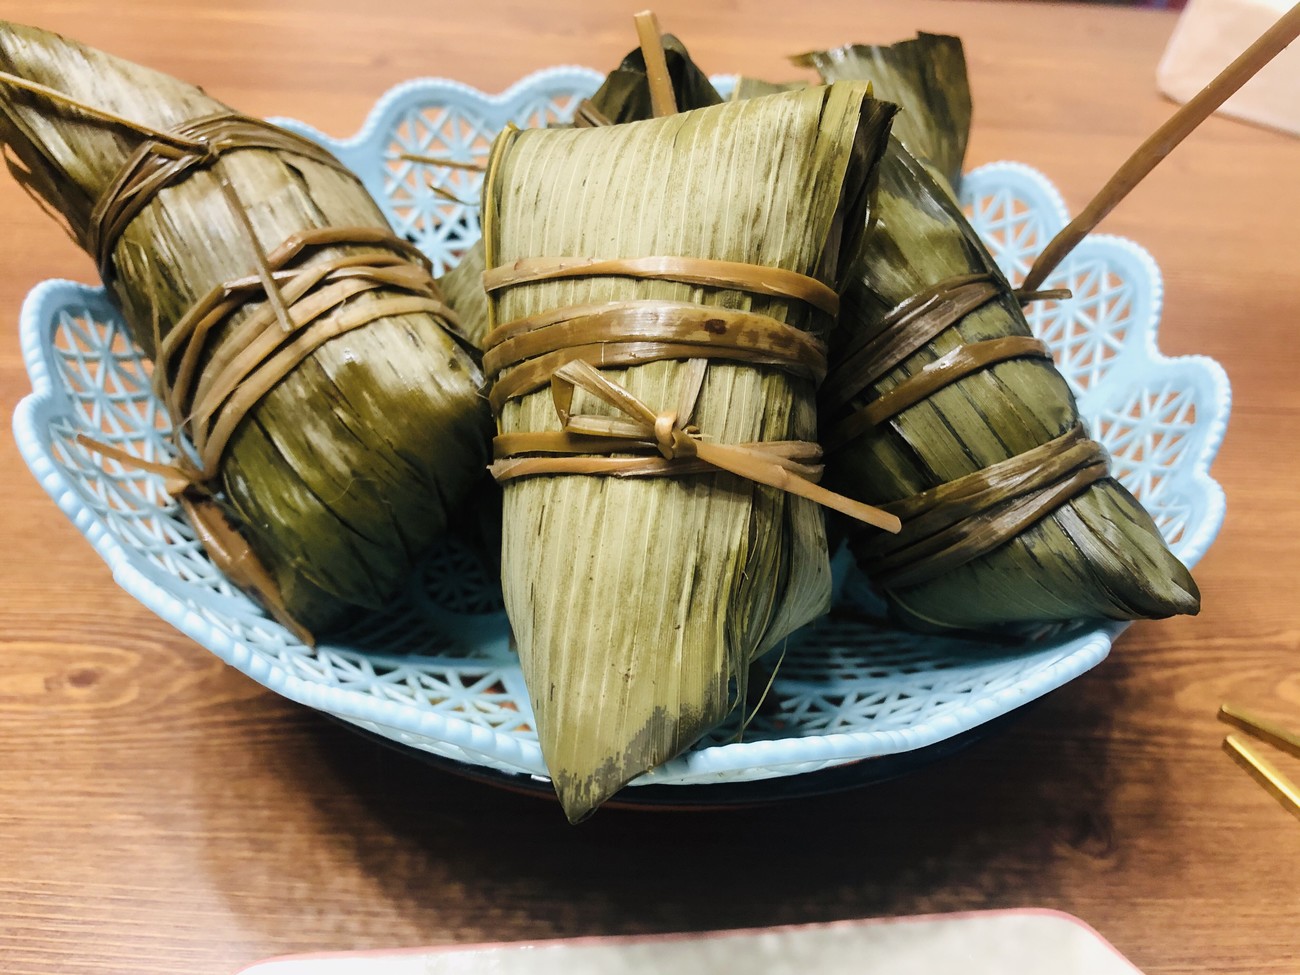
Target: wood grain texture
{"points": [[161, 813]]}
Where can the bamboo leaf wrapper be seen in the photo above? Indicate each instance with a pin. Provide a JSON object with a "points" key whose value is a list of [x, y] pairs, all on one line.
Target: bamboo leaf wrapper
{"points": [[1096, 553], [623, 97], [926, 77], [638, 603], [347, 468]]}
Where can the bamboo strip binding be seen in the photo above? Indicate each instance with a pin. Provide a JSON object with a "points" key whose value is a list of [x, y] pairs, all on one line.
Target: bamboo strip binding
{"points": [[956, 522], [254, 357], [296, 309], [563, 346]]}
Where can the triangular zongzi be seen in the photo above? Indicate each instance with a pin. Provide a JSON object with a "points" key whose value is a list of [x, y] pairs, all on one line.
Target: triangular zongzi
{"points": [[942, 407], [638, 601]]}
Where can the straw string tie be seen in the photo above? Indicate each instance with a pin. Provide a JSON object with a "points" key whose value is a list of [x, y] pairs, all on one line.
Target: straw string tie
{"points": [[562, 347]]}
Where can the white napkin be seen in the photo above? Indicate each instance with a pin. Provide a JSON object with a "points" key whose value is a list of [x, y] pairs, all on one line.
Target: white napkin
{"points": [[987, 943], [1209, 35]]}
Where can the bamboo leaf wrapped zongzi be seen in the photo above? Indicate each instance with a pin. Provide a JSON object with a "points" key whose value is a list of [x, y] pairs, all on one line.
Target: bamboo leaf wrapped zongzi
{"points": [[943, 407], [692, 258], [335, 417]]}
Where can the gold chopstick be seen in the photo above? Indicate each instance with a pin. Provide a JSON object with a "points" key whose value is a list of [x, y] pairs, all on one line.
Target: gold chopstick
{"points": [[1268, 775], [1261, 727], [1265, 772]]}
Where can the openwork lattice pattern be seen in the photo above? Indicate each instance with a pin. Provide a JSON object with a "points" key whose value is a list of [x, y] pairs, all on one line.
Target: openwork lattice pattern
{"points": [[1161, 419], [436, 670], [434, 204]]}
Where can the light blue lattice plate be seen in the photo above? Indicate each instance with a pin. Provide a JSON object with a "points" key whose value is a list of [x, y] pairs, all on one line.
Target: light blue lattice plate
{"points": [[435, 671]]}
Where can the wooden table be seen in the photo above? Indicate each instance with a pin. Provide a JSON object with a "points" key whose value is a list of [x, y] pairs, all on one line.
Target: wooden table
{"points": [[160, 812]]}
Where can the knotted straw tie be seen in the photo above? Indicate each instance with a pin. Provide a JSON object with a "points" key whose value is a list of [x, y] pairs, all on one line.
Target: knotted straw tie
{"points": [[562, 347], [957, 522]]}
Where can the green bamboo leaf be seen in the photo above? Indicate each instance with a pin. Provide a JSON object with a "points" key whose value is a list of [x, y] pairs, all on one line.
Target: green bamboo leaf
{"points": [[1099, 555], [623, 97], [350, 466], [638, 603], [926, 77], [462, 286]]}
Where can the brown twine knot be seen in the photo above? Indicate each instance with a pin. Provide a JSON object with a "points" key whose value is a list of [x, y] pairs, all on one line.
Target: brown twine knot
{"points": [[673, 442], [555, 347], [787, 465]]}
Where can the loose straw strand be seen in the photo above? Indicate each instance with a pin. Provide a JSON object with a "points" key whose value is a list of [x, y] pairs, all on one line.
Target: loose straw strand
{"points": [[450, 197], [54, 95], [662, 99], [1164, 140], [445, 163], [416, 157], [263, 268]]}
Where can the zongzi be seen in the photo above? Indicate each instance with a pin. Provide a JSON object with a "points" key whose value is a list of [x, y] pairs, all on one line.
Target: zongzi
{"points": [[942, 406], [334, 416], [692, 258]]}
